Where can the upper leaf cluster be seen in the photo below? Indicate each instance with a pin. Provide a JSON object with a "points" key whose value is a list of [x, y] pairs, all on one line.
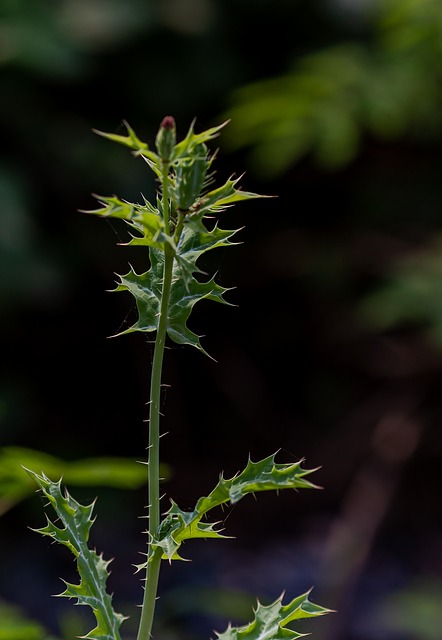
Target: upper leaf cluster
{"points": [[176, 224]]}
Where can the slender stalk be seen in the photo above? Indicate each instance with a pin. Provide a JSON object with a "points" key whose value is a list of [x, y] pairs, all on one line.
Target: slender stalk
{"points": [[154, 558]]}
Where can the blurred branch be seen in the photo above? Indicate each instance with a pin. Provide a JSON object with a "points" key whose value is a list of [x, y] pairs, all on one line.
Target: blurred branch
{"points": [[366, 502]]}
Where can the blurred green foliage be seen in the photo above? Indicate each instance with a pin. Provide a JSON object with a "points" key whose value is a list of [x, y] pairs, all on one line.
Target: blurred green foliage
{"points": [[14, 625], [415, 610], [15, 483], [386, 85], [410, 295], [55, 38]]}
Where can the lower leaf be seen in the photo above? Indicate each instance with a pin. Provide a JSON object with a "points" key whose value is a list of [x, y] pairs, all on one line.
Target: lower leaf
{"points": [[270, 622], [92, 568]]}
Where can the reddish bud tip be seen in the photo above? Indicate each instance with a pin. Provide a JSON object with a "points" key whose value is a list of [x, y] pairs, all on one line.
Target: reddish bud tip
{"points": [[168, 122]]}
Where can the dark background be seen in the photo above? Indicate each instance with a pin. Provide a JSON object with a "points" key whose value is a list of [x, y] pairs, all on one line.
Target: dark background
{"points": [[333, 352]]}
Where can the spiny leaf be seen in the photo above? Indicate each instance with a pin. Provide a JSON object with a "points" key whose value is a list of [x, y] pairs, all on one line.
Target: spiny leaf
{"points": [[193, 243], [185, 290], [92, 568], [144, 219], [190, 177], [220, 198], [270, 622], [265, 475], [132, 141], [192, 139]]}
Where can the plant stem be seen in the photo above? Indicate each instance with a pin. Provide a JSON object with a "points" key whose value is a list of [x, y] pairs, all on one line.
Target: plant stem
{"points": [[154, 557]]}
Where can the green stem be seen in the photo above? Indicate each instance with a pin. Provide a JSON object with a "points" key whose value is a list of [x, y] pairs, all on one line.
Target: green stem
{"points": [[154, 557]]}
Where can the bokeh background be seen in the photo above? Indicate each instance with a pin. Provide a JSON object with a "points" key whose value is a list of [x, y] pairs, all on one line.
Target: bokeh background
{"points": [[332, 352]]}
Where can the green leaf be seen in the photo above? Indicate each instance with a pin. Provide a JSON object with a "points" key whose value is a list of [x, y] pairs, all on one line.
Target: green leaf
{"points": [[92, 568], [193, 243], [193, 139], [220, 198], [270, 622], [132, 141], [190, 177], [144, 219], [185, 292], [265, 475]]}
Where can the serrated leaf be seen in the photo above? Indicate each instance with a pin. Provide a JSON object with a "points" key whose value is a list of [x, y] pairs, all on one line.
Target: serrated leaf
{"points": [[92, 568], [196, 240], [180, 526], [145, 219], [270, 622], [192, 139], [220, 198], [132, 141], [185, 289], [265, 475]]}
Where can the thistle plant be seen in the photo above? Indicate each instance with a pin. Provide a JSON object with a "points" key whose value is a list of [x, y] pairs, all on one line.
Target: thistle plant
{"points": [[177, 229]]}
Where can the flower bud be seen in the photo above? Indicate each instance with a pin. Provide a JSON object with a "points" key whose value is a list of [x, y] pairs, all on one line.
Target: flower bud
{"points": [[166, 138]]}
